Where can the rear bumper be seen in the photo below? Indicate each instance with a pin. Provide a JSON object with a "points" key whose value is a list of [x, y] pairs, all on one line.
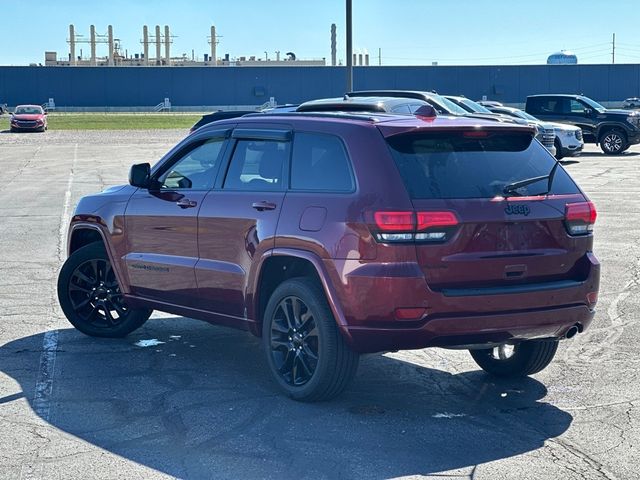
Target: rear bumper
{"points": [[457, 317], [474, 329]]}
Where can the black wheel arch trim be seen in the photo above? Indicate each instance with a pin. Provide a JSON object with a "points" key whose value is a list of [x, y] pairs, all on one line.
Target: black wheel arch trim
{"points": [[332, 297], [122, 281], [605, 127]]}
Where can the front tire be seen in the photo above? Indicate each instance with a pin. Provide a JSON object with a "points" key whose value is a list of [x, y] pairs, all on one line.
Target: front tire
{"points": [[519, 360], [613, 142], [306, 353], [90, 296], [558, 146]]}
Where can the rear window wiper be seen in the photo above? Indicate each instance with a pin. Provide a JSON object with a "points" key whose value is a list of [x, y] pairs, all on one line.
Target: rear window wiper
{"points": [[512, 188]]}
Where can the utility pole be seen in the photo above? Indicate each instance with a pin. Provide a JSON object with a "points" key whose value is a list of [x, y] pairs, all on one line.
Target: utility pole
{"points": [[349, 49], [613, 49], [379, 57]]}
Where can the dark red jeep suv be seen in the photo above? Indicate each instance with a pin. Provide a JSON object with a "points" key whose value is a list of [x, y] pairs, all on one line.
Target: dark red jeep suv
{"points": [[333, 234]]}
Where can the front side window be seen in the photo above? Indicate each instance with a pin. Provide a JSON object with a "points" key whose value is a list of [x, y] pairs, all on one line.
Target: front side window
{"points": [[195, 170], [257, 165], [320, 163], [577, 107]]}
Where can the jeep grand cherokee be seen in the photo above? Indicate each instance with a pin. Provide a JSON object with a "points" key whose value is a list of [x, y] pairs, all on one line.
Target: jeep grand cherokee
{"points": [[331, 235]]}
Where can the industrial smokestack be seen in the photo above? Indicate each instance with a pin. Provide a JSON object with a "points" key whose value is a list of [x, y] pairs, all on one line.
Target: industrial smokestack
{"points": [[72, 45], [145, 44], [167, 45], [110, 35], [360, 59], [92, 41], [214, 59], [333, 44], [158, 40], [366, 59]]}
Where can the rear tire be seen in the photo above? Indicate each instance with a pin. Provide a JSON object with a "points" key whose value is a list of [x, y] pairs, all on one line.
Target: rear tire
{"points": [[613, 142], [90, 296], [306, 353], [526, 358]]}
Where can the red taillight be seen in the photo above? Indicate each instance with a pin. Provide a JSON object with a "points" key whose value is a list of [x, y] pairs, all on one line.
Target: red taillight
{"points": [[436, 219], [580, 217], [592, 298], [395, 221], [407, 226]]}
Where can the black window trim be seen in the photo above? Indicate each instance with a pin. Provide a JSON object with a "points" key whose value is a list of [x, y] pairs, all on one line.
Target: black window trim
{"points": [[354, 181], [262, 134], [222, 179], [184, 149]]}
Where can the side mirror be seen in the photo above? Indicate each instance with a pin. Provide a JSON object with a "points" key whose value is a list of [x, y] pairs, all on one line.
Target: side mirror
{"points": [[588, 112], [139, 175]]}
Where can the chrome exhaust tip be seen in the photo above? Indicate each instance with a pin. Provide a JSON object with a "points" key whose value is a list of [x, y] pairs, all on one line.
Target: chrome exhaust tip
{"points": [[572, 332]]}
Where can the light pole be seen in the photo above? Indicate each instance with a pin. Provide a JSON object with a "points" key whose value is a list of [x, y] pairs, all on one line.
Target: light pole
{"points": [[349, 49]]}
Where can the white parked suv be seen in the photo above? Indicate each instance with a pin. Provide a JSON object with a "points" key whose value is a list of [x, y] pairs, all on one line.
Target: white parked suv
{"points": [[568, 142]]}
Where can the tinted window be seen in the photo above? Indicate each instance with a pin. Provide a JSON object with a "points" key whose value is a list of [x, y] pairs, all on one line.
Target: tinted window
{"points": [[450, 165], [474, 107], [320, 163], [577, 107], [401, 109], [196, 169], [257, 165], [546, 106]]}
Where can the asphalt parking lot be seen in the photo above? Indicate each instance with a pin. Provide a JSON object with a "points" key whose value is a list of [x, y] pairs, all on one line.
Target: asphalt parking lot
{"points": [[198, 401]]}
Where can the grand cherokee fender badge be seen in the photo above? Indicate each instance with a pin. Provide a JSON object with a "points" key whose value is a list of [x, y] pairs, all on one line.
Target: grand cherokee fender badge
{"points": [[517, 210], [152, 268]]}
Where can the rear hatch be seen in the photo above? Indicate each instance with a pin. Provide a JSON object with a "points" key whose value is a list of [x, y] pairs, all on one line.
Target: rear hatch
{"points": [[491, 210]]}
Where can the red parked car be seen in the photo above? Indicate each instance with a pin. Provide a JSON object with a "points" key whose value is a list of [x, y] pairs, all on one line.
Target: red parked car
{"points": [[333, 234], [28, 117]]}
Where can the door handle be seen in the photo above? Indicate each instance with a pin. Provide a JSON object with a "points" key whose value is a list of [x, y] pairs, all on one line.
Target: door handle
{"points": [[186, 203], [261, 206]]}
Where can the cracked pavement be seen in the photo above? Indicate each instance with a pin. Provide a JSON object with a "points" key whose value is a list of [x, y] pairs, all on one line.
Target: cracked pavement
{"points": [[201, 404]]}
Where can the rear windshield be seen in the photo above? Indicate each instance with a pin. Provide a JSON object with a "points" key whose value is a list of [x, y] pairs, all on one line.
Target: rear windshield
{"points": [[452, 165]]}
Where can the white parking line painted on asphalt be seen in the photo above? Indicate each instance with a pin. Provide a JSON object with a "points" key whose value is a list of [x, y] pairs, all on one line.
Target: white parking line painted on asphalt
{"points": [[66, 211], [44, 381]]}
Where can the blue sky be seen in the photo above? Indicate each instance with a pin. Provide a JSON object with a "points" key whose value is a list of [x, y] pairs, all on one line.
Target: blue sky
{"points": [[409, 32]]}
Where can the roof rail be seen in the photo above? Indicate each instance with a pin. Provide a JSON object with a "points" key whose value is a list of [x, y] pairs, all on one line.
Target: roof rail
{"points": [[388, 93], [341, 115]]}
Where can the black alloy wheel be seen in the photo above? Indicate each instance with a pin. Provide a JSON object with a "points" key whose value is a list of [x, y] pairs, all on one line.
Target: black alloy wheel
{"points": [[306, 353], [90, 295], [95, 295], [294, 341]]}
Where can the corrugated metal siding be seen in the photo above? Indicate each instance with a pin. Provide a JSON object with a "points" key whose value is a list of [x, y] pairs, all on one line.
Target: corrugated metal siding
{"points": [[140, 86]]}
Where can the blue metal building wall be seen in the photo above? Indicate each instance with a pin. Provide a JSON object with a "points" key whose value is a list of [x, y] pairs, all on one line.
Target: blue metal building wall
{"points": [[192, 86]]}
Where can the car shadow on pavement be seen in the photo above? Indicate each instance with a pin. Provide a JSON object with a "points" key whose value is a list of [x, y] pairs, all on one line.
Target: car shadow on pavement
{"points": [[202, 405], [600, 154]]}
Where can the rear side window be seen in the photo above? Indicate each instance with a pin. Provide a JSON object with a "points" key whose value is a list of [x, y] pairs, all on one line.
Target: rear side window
{"points": [[257, 165], [320, 163], [451, 165], [546, 106]]}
